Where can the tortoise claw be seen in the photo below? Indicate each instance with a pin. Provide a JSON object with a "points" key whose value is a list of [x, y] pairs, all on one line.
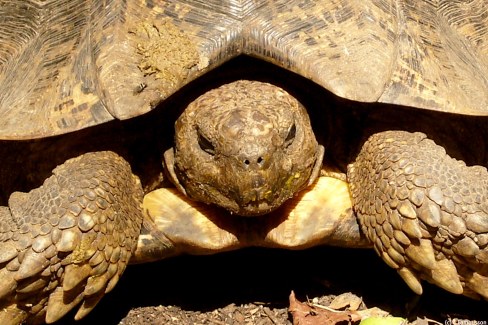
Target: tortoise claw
{"points": [[411, 279]]}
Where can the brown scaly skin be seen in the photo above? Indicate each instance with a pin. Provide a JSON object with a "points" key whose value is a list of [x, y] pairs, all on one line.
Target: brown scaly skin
{"points": [[67, 242], [425, 212]]}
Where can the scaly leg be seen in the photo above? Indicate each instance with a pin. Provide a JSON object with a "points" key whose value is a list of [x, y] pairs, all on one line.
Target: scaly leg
{"points": [[425, 212], [68, 241]]}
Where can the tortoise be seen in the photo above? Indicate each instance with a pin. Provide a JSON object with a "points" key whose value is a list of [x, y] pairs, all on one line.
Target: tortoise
{"points": [[246, 166]]}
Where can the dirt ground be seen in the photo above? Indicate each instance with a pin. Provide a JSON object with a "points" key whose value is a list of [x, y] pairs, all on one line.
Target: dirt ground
{"points": [[252, 286]]}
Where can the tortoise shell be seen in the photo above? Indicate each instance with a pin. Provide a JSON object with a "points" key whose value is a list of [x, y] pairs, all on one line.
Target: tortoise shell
{"points": [[68, 66]]}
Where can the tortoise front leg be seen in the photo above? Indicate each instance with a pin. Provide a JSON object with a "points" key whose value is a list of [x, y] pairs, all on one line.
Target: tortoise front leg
{"points": [[68, 241], [425, 212]]}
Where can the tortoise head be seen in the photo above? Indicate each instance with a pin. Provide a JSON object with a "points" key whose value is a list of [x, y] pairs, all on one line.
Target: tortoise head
{"points": [[246, 146]]}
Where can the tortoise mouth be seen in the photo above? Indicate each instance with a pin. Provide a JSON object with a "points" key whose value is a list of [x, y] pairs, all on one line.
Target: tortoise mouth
{"points": [[248, 201], [257, 201], [255, 208]]}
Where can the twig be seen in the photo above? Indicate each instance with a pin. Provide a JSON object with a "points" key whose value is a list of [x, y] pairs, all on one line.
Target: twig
{"points": [[325, 307], [268, 313]]}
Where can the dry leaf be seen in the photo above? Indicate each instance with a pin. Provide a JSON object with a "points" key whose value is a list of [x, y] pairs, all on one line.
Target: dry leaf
{"points": [[304, 314], [315, 314], [346, 300]]}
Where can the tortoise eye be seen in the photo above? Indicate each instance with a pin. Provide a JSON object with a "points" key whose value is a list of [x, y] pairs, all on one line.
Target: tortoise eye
{"points": [[205, 144], [291, 136]]}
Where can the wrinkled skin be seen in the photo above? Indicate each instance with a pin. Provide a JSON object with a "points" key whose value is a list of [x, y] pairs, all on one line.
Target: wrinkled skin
{"points": [[247, 146]]}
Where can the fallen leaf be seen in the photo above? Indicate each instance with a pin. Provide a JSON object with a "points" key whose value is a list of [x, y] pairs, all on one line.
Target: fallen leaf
{"points": [[346, 300], [304, 314]]}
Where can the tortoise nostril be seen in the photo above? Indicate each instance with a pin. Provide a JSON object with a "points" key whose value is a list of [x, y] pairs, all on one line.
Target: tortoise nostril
{"points": [[253, 162]]}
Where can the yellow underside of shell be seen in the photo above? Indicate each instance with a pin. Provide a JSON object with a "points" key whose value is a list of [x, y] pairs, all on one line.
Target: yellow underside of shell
{"points": [[319, 215]]}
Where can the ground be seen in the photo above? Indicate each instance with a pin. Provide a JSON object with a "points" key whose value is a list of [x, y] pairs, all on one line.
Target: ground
{"points": [[252, 286]]}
